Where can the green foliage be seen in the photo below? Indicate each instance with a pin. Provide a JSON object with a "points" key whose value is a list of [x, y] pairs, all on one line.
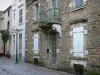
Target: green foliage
{"points": [[28, 61], [65, 67], [40, 63], [5, 36], [91, 72]]}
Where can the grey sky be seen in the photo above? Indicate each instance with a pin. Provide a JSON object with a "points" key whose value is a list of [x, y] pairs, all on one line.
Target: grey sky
{"points": [[4, 4]]}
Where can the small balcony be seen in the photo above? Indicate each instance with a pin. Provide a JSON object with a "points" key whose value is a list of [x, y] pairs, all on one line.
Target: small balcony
{"points": [[50, 16]]}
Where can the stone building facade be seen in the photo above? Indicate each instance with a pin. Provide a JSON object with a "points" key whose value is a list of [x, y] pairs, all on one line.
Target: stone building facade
{"points": [[63, 32]]}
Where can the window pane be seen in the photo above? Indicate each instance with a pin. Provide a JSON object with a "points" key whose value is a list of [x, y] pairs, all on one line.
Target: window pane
{"points": [[20, 15], [78, 3]]}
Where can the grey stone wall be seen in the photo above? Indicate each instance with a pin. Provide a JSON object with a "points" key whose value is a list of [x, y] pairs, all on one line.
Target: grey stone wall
{"points": [[94, 32], [90, 14], [29, 28]]}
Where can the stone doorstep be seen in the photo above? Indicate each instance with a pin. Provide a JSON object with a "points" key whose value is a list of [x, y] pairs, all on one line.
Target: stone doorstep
{"points": [[52, 67]]}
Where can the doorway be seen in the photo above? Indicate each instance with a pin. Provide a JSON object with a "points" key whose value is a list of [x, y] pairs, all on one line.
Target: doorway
{"points": [[53, 47], [20, 47], [78, 69], [14, 48]]}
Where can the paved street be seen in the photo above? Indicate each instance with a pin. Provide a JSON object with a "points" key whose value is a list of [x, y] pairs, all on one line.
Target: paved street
{"points": [[8, 67]]}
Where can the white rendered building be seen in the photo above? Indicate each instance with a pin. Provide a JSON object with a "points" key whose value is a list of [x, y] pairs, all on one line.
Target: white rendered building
{"points": [[18, 22]]}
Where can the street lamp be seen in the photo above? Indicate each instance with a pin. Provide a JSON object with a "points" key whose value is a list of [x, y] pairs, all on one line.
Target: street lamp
{"points": [[16, 31]]}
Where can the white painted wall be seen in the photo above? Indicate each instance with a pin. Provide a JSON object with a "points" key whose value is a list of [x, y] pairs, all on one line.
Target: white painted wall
{"points": [[16, 6]]}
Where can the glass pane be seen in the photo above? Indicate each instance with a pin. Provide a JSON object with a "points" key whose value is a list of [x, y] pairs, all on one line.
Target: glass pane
{"points": [[78, 3], [54, 3]]}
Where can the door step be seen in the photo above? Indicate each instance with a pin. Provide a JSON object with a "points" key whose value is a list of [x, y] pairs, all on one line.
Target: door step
{"points": [[52, 67]]}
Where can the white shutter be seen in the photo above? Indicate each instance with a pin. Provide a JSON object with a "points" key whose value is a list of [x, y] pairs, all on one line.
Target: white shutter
{"points": [[34, 12], [71, 33], [36, 43], [85, 32], [71, 5], [84, 2], [75, 42], [78, 40]]}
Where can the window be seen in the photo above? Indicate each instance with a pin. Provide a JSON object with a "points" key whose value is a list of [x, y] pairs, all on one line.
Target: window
{"points": [[20, 41], [14, 16], [55, 3], [36, 12], [78, 38], [20, 15], [78, 3], [8, 13], [36, 43], [8, 24]]}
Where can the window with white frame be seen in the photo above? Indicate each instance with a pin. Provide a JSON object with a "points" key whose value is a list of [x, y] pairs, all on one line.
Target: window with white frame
{"points": [[36, 43], [36, 12], [78, 4], [20, 15], [78, 42]]}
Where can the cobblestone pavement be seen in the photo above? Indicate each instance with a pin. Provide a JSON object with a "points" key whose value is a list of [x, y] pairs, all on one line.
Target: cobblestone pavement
{"points": [[8, 67]]}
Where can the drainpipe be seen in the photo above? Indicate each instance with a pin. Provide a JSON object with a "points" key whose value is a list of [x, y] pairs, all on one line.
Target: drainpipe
{"points": [[25, 33]]}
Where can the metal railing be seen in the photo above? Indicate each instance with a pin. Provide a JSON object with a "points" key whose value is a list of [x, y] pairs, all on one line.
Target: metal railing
{"points": [[51, 15]]}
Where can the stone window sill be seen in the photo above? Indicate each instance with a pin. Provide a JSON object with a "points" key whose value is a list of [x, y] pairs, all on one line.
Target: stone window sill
{"points": [[76, 9], [79, 58], [20, 23]]}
